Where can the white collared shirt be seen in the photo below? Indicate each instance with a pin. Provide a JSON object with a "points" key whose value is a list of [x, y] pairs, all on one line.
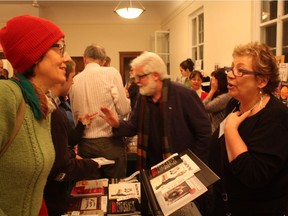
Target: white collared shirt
{"points": [[93, 88]]}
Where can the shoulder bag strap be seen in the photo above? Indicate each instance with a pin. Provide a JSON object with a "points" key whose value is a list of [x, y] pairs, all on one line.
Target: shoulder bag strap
{"points": [[19, 120]]}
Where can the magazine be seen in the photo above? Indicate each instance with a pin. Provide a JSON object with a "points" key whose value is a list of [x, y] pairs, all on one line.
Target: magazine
{"points": [[178, 194], [124, 191], [88, 203], [124, 207], [86, 188], [124, 198], [87, 213], [175, 182]]}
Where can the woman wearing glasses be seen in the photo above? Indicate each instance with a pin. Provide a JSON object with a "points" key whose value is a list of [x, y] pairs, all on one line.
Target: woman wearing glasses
{"points": [[35, 48], [250, 151]]}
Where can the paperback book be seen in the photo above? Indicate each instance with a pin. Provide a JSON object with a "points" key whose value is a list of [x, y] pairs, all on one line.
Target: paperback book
{"points": [[124, 198], [86, 188], [88, 203], [175, 182]]}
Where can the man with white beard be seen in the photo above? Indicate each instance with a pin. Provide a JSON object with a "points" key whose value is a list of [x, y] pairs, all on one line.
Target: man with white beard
{"points": [[168, 117]]}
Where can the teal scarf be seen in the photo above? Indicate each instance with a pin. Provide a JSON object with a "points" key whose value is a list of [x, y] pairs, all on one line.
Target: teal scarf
{"points": [[29, 93]]}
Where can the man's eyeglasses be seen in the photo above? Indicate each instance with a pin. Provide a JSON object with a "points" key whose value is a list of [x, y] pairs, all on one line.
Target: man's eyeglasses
{"points": [[240, 72], [140, 77], [62, 48]]}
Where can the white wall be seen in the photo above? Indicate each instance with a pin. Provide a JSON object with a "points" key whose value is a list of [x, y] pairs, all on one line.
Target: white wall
{"points": [[226, 24], [85, 25]]}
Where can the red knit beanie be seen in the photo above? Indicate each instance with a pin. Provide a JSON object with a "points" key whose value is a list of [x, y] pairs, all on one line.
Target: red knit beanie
{"points": [[26, 38]]}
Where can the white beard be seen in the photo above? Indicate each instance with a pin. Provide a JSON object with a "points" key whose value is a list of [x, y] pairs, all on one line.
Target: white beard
{"points": [[149, 89]]}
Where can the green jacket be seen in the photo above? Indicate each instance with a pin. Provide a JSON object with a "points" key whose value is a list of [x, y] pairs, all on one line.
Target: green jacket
{"points": [[26, 164]]}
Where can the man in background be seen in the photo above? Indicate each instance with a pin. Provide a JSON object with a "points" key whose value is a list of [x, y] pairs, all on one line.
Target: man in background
{"points": [[168, 117], [3, 73], [94, 87]]}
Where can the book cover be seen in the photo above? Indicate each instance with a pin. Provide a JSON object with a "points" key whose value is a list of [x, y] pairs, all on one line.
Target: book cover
{"points": [[103, 161], [88, 203], [87, 213], [166, 164], [173, 197], [124, 198], [173, 183], [124, 191], [124, 207], [86, 188]]}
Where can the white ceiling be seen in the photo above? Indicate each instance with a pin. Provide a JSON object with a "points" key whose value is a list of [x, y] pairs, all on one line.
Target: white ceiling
{"points": [[155, 10]]}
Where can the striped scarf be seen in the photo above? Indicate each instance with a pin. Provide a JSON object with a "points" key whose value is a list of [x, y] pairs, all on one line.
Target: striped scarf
{"points": [[143, 128]]}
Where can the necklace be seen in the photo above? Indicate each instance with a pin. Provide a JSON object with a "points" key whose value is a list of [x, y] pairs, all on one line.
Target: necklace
{"points": [[260, 102]]}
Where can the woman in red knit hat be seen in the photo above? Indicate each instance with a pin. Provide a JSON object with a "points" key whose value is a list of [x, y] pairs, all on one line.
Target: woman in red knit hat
{"points": [[35, 48]]}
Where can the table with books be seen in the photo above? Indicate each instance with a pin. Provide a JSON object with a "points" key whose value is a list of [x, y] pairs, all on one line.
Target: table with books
{"points": [[168, 188]]}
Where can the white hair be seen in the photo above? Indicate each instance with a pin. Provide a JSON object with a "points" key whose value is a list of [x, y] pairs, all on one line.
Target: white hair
{"points": [[151, 62]]}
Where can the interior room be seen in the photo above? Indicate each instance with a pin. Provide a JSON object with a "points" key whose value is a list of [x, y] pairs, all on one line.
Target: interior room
{"points": [[177, 30]]}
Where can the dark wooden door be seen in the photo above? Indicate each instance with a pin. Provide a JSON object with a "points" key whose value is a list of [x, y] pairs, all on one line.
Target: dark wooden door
{"points": [[79, 63], [125, 60]]}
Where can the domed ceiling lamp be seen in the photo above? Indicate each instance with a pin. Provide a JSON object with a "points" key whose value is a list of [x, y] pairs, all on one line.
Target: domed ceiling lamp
{"points": [[128, 11], [35, 3]]}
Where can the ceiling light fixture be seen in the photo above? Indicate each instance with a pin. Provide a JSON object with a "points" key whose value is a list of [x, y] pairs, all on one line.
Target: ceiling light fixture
{"points": [[35, 3], [129, 12]]}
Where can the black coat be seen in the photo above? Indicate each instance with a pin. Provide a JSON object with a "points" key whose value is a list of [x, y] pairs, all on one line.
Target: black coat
{"points": [[188, 123], [66, 168]]}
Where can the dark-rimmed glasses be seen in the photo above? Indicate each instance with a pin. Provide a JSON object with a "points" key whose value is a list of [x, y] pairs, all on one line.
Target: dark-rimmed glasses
{"points": [[61, 48], [240, 72], [140, 77]]}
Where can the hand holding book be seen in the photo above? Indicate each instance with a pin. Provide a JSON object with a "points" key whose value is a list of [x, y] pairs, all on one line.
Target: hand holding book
{"points": [[103, 161]]}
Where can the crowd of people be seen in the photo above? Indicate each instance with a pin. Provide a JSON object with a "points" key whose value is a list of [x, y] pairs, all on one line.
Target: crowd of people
{"points": [[238, 128]]}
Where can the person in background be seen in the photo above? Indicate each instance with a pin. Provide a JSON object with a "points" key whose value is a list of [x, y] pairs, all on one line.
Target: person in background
{"points": [[1, 67], [107, 62], [217, 98], [67, 168], [196, 79], [162, 104], [6, 73], [132, 89], [168, 117], [94, 87], [35, 48], [250, 150], [3, 73], [186, 67]]}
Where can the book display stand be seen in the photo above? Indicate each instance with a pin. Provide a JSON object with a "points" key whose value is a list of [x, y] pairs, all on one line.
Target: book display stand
{"points": [[175, 197], [168, 188]]}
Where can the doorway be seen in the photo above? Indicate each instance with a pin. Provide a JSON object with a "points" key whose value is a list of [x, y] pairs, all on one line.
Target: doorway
{"points": [[125, 60]]}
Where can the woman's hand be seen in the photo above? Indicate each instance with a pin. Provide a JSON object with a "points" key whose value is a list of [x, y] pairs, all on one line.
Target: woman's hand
{"points": [[234, 119], [214, 85], [234, 143], [86, 119], [109, 117]]}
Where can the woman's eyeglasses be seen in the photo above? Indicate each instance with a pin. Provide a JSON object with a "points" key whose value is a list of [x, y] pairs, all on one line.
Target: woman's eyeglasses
{"points": [[62, 48], [240, 72]]}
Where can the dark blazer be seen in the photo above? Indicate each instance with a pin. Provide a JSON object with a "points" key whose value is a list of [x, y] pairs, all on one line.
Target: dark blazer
{"points": [[188, 123], [133, 91], [66, 168]]}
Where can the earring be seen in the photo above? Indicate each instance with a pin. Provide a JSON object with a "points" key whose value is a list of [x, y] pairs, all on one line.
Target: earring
{"points": [[261, 98]]}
